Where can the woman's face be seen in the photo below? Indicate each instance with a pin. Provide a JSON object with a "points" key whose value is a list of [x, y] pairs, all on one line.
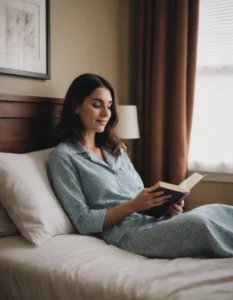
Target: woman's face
{"points": [[95, 111]]}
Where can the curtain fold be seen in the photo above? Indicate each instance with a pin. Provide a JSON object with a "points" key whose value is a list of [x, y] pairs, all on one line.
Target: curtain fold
{"points": [[165, 67]]}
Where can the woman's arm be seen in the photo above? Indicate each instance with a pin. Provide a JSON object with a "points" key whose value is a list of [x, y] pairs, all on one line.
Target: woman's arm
{"points": [[64, 179], [143, 201], [118, 213], [65, 183]]}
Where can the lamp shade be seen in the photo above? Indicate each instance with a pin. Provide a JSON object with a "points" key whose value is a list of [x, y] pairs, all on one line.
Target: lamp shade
{"points": [[127, 127]]}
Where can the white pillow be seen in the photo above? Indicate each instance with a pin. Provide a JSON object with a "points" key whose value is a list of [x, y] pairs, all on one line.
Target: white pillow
{"points": [[7, 226], [28, 198]]}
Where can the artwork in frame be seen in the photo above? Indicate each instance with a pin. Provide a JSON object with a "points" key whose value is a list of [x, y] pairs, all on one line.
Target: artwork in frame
{"points": [[25, 38]]}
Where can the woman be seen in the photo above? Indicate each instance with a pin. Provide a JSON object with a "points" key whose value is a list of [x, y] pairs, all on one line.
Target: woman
{"points": [[102, 193]]}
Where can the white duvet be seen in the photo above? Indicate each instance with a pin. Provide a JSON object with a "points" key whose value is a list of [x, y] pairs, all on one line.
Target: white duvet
{"points": [[74, 267]]}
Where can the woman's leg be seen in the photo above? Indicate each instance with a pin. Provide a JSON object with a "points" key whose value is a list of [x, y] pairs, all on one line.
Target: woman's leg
{"points": [[206, 231]]}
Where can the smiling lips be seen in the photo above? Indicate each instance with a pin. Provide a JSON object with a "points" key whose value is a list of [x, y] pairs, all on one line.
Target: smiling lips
{"points": [[101, 122]]}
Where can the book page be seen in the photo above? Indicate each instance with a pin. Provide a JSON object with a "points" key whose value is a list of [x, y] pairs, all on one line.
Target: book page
{"points": [[191, 181], [168, 186]]}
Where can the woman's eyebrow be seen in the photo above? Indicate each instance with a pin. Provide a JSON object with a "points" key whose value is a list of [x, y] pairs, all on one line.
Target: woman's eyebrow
{"points": [[100, 100]]}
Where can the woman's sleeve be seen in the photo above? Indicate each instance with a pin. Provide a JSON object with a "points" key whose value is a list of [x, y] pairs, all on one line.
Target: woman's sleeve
{"points": [[65, 182]]}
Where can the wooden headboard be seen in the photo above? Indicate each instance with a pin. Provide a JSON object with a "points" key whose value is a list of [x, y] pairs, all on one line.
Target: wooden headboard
{"points": [[26, 122]]}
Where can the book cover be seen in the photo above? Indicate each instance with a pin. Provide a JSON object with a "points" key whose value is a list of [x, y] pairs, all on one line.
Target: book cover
{"points": [[178, 193]]}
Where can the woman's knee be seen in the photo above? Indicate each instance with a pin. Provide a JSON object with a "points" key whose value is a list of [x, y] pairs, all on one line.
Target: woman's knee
{"points": [[207, 207], [197, 220]]}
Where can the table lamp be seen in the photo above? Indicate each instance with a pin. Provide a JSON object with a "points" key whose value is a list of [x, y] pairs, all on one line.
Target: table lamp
{"points": [[127, 127]]}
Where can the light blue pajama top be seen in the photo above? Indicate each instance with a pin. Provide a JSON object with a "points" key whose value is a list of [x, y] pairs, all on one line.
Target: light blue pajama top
{"points": [[86, 186]]}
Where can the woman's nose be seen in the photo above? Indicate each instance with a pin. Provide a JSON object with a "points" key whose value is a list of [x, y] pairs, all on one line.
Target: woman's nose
{"points": [[105, 112]]}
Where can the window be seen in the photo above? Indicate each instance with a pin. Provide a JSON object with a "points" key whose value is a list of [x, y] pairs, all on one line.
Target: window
{"points": [[211, 145]]}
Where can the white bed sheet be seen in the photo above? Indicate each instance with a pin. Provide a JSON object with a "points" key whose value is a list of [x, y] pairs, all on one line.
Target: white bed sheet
{"points": [[76, 267]]}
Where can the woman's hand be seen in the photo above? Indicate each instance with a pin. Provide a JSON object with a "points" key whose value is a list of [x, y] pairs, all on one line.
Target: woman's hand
{"points": [[147, 199], [176, 208]]}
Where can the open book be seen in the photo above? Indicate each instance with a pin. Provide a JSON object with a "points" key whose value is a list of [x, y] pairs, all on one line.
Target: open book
{"points": [[178, 193]]}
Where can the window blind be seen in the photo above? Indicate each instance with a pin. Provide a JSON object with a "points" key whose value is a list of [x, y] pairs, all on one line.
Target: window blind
{"points": [[211, 145]]}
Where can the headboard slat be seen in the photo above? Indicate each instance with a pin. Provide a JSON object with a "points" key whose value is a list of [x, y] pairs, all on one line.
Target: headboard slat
{"points": [[26, 122], [29, 110], [20, 98]]}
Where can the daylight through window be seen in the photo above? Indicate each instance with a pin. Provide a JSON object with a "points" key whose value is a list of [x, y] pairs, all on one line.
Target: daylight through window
{"points": [[211, 146]]}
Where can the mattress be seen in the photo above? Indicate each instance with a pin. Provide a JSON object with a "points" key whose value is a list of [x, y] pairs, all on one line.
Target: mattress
{"points": [[83, 267]]}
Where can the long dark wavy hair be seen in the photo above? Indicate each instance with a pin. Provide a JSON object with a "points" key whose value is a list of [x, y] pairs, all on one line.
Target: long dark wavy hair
{"points": [[71, 128]]}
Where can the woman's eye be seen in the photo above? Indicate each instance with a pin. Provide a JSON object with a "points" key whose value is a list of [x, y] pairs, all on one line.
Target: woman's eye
{"points": [[96, 105]]}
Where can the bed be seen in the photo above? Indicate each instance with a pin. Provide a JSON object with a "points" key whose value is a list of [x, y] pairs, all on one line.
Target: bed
{"points": [[42, 257]]}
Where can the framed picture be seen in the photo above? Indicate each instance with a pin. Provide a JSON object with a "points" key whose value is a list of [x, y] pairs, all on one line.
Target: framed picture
{"points": [[25, 38]]}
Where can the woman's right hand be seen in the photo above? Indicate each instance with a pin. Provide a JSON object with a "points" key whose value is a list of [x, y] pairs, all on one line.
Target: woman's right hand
{"points": [[147, 199]]}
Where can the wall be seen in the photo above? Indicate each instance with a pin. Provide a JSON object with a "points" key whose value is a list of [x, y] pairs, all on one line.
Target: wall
{"points": [[210, 192], [86, 36]]}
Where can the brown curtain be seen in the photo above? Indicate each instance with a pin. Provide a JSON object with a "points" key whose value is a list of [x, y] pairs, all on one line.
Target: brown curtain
{"points": [[165, 66]]}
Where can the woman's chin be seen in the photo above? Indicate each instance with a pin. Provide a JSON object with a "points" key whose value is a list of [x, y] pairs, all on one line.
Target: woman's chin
{"points": [[99, 130]]}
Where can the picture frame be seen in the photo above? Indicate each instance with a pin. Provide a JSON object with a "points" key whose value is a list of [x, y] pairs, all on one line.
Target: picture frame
{"points": [[25, 38]]}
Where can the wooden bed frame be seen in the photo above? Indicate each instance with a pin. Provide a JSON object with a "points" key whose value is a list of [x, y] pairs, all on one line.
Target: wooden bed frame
{"points": [[26, 122]]}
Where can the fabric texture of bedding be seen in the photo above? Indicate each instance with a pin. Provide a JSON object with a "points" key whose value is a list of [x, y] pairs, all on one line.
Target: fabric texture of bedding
{"points": [[28, 198], [83, 267], [7, 226]]}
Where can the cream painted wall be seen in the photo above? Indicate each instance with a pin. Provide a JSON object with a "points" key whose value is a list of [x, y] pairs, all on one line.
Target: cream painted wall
{"points": [[210, 192], [86, 36]]}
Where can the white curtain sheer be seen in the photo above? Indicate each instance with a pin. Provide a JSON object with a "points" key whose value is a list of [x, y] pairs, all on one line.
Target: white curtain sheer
{"points": [[211, 145]]}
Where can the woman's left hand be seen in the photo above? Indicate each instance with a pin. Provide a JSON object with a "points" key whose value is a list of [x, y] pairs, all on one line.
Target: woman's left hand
{"points": [[176, 208]]}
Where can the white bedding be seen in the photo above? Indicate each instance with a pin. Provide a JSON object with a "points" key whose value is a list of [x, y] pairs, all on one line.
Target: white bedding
{"points": [[81, 267]]}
